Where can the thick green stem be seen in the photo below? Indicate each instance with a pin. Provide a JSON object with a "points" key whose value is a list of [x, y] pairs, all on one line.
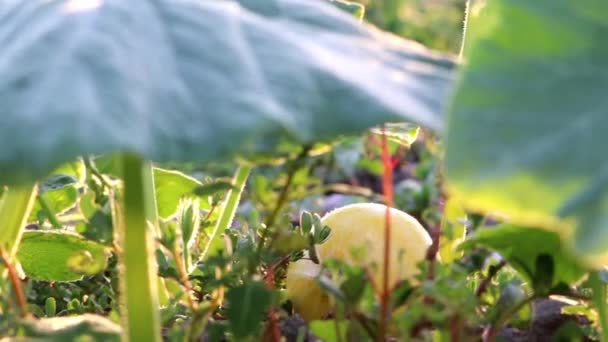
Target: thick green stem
{"points": [[227, 211], [139, 283], [152, 217], [599, 299], [15, 208]]}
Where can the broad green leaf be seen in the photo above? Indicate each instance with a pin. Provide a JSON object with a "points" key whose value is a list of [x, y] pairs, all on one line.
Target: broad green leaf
{"points": [[521, 248], [248, 303], [198, 80], [171, 186], [526, 131], [87, 327], [54, 256], [329, 330]]}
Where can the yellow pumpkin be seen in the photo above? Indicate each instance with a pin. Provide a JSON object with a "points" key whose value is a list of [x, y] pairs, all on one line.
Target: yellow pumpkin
{"points": [[359, 228]]}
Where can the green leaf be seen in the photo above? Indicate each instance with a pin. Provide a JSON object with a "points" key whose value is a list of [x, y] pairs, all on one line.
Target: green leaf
{"points": [[98, 224], [354, 286], [109, 164], [543, 274], [526, 130], [171, 186], [75, 169], [328, 330], [15, 207], [227, 77], [58, 201], [55, 256], [57, 181], [288, 241], [213, 188], [248, 303], [401, 133], [75, 328], [569, 331], [522, 246], [453, 231], [189, 222]]}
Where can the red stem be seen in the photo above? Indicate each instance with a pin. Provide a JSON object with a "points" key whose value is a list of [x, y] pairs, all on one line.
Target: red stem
{"points": [[387, 189], [14, 278], [273, 333]]}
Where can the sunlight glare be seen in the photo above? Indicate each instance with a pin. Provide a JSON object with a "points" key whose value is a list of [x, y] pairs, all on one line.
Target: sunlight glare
{"points": [[74, 6]]}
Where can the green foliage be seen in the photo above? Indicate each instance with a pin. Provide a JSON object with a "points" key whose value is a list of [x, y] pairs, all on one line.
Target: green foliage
{"points": [[539, 255], [248, 304], [330, 330], [170, 187], [60, 256], [188, 104], [437, 24], [53, 201], [454, 231], [516, 145], [284, 90]]}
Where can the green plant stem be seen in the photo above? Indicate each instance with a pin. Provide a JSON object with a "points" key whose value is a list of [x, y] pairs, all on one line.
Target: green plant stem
{"points": [[15, 208], [281, 201], [139, 285], [16, 282], [228, 209], [93, 169], [152, 217], [599, 299], [50, 214]]}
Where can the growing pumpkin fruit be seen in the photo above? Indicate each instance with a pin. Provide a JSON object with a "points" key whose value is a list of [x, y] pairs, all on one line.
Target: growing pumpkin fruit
{"points": [[357, 238]]}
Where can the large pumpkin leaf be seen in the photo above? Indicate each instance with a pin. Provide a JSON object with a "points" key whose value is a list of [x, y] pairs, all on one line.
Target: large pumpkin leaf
{"points": [[55, 256], [527, 128], [191, 79]]}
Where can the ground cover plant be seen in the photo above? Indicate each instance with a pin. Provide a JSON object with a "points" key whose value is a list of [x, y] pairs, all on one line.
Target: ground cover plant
{"points": [[268, 170]]}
